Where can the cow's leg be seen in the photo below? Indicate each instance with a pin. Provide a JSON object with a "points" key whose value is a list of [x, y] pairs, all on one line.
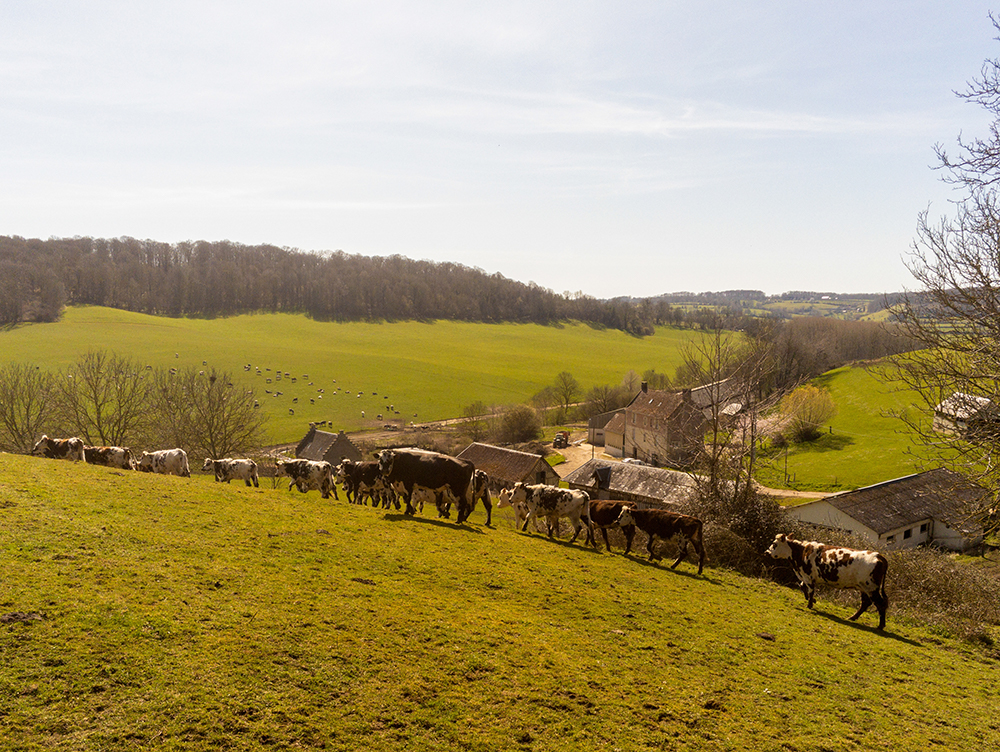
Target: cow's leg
{"points": [[577, 527], [881, 603], [249, 484], [649, 547], [607, 543], [682, 551], [811, 595], [866, 601], [629, 531]]}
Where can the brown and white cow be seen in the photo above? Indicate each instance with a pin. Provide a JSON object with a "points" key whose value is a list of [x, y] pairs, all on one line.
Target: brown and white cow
{"points": [[551, 503], [605, 514], [451, 478], [165, 462], [111, 456], [309, 474], [228, 469], [662, 523], [838, 567], [59, 449]]}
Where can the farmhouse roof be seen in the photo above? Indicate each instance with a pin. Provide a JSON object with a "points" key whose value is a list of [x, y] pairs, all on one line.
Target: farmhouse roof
{"points": [[964, 406], [935, 494], [632, 479], [322, 445], [616, 424], [657, 403], [502, 463]]}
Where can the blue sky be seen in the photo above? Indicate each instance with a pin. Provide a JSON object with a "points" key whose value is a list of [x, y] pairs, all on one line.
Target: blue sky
{"points": [[625, 148]]}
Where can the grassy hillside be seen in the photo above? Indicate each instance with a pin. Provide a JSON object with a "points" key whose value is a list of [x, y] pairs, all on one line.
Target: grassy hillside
{"points": [[427, 371], [182, 614], [860, 445]]}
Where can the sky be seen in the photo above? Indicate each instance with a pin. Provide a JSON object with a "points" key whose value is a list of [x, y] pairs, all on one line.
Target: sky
{"points": [[626, 148]]}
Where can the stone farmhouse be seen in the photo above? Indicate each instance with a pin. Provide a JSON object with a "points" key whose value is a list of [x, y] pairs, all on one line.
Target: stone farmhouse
{"points": [[331, 447], [663, 428], [926, 508], [508, 466], [963, 414], [624, 481]]}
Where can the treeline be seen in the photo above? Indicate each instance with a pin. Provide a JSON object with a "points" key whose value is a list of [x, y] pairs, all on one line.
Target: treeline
{"points": [[39, 277]]}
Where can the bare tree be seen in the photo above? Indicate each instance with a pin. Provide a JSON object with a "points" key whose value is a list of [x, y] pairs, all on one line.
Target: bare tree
{"points": [[955, 312], [103, 398], [26, 405]]}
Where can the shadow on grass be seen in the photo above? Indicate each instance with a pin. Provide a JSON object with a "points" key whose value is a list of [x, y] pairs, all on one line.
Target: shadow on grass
{"points": [[868, 627], [664, 564], [437, 522], [577, 544], [827, 442]]}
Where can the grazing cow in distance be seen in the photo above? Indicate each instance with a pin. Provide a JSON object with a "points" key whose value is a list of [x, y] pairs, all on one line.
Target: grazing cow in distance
{"points": [[111, 456], [228, 469], [450, 477], [605, 514], [59, 449], [838, 567], [165, 462], [309, 474], [660, 523], [550, 502]]}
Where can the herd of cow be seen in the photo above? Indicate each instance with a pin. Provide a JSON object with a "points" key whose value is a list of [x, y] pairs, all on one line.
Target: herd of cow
{"points": [[414, 476]]}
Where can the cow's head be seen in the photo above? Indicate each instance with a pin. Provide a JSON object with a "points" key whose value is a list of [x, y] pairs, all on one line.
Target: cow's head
{"points": [[341, 470], [209, 463], [145, 463], [780, 548], [625, 517], [41, 447], [279, 467], [385, 459]]}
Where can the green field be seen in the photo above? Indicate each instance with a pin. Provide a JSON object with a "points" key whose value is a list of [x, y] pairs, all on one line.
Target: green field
{"points": [[861, 445], [427, 371], [181, 614]]}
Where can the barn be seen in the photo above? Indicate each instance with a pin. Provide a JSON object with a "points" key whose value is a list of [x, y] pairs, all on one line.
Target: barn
{"points": [[324, 446], [932, 507], [508, 466], [625, 481]]}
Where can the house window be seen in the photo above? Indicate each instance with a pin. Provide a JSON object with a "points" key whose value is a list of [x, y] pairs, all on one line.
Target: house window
{"points": [[890, 539], [907, 533], [923, 529]]}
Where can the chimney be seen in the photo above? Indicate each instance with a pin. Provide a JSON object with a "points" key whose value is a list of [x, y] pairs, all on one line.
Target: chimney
{"points": [[645, 387]]}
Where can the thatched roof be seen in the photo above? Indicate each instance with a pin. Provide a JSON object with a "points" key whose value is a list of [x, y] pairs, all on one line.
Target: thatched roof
{"points": [[630, 480], [936, 494]]}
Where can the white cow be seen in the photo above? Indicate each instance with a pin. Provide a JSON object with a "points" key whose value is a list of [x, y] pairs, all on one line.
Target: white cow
{"points": [[166, 462], [550, 502], [59, 449], [309, 474], [229, 469]]}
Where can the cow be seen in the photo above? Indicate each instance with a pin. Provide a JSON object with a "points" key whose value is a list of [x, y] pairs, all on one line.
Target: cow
{"points": [[111, 456], [481, 490], [166, 462], [451, 477], [550, 502], [605, 514], [228, 469], [839, 567], [361, 480], [661, 523], [59, 449], [309, 474]]}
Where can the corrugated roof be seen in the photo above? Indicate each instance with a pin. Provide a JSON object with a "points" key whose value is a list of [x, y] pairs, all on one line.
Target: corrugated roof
{"points": [[639, 480], [504, 464], [936, 494]]}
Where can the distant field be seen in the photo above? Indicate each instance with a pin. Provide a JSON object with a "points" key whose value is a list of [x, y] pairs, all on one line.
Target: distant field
{"points": [[864, 446], [427, 371]]}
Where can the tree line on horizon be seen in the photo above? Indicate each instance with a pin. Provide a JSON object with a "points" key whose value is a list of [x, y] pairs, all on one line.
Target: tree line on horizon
{"points": [[199, 278]]}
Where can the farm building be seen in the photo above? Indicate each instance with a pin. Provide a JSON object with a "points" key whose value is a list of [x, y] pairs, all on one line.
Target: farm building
{"points": [[929, 507], [596, 426], [663, 428], [720, 399], [331, 447], [614, 435], [508, 466], [963, 414], [624, 481]]}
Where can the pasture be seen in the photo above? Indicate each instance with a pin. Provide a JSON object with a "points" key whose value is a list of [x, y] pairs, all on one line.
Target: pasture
{"points": [[426, 371], [859, 446], [183, 614]]}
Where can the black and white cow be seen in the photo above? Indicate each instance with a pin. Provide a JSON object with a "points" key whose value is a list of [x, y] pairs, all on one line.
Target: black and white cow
{"points": [[111, 456], [228, 469], [662, 523], [166, 462], [849, 568], [361, 481], [59, 449], [549, 502], [309, 474], [451, 478]]}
